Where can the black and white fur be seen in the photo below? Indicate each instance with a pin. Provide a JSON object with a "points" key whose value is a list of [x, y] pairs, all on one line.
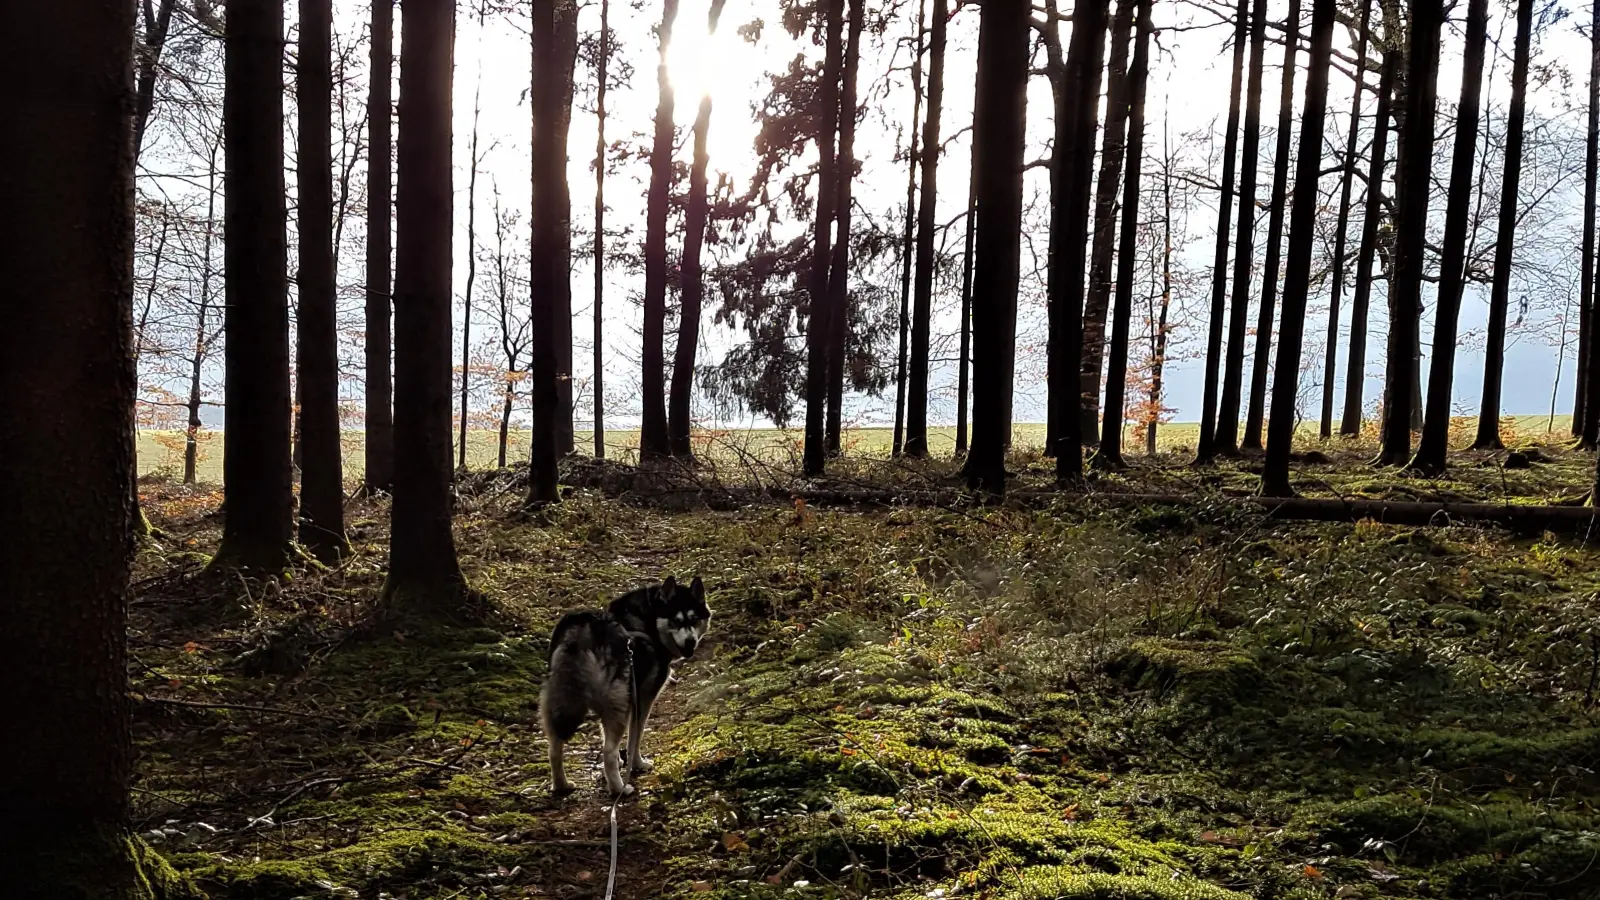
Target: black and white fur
{"points": [[614, 663]]}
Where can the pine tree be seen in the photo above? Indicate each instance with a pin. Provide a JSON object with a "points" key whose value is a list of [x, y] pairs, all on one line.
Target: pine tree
{"points": [[547, 269], [839, 274], [653, 442], [379, 418], [907, 254], [827, 122], [1356, 363], [602, 62], [922, 317]]}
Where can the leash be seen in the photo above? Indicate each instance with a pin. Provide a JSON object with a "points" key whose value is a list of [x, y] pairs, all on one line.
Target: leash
{"points": [[611, 879], [633, 699]]}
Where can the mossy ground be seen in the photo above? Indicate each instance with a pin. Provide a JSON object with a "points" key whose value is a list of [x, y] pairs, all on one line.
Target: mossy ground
{"points": [[1141, 703]]}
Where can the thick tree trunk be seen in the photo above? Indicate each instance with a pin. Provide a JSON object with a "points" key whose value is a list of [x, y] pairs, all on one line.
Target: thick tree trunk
{"points": [[964, 355], [1412, 189], [67, 225], [1342, 228], [1098, 296], [1071, 173], [601, 65], [1227, 435], [653, 443], [827, 121], [1297, 273], [1207, 445], [379, 450], [998, 135], [1110, 454], [907, 254], [1435, 441], [423, 571], [922, 317], [546, 268], [839, 274], [1586, 261], [567, 46], [322, 462], [1356, 364], [256, 459], [1255, 416]]}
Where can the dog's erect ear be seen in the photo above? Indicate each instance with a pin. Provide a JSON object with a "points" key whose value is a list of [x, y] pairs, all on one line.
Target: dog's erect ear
{"points": [[698, 589], [668, 586]]}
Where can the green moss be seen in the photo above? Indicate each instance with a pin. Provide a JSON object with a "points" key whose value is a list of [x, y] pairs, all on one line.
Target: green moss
{"points": [[1069, 883], [1209, 674]]}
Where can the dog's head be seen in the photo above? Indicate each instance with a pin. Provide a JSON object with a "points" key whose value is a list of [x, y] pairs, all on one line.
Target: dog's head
{"points": [[681, 615]]}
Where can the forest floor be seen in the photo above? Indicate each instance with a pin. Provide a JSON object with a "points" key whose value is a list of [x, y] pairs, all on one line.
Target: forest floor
{"points": [[1185, 701]]}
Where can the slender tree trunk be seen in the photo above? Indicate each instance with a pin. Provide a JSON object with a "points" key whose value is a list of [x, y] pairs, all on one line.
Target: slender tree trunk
{"points": [[1158, 351], [1412, 188], [694, 228], [1061, 99], [472, 269], [1297, 273], [1499, 295], [1356, 364], [998, 136], [827, 120], [1435, 441], [322, 462], [567, 47], [1227, 435], [1256, 415], [1071, 174], [653, 443], [1586, 304], [546, 269], [922, 318], [964, 360], [1098, 297], [379, 450], [256, 459], [1207, 448], [1110, 454], [839, 276], [906, 252], [191, 444], [601, 64], [423, 571]]}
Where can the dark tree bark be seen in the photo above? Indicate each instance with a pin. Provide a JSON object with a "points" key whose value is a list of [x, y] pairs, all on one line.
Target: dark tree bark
{"points": [[322, 464], [1412, 188], [1227, 435], [1297, 274], [1435, 441], [1356, 364], [379, 426], [1110, 454], [157, 25], [694, 229], [1256, 415], [601, 64], [1499, 294], [827, 119], [1098, 297], [1207, 445], [1071, 172], [998, 133], [964, 356], [1342, 228], [1061, 99], [922, 318], [423, 571], [561, 325], [907, 254], [256, 466], [839, 275], [1580, 410], [66, 357], [546, 268], [653, 442]]}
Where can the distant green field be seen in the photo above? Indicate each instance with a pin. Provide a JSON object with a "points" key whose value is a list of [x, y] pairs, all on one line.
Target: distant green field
{"points": [[161, 452]]}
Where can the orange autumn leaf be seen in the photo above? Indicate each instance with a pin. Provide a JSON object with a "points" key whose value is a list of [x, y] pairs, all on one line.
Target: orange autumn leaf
{"points": [[1312, 872]]}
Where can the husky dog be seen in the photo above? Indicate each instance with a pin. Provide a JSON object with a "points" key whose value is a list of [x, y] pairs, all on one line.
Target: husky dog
{"points": [[614, 663]]}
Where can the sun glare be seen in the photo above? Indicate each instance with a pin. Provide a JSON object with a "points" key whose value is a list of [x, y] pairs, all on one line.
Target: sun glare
{"points": [[728, 69]]}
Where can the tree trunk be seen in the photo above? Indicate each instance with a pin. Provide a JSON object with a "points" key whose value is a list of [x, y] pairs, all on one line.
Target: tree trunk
{"points": [[602, 63], [1435, 441], [322, 462], [68, 229], [546, 268], [1297, 273], [1256, 415], [906, 252], [922, 318], [1110, 454], [567, 46], [1102, 250], [653, 443], [964, 356], [379, 450], [1580, 410], [1071, 173], [827, 122], [1356, 364], [1341, 230], [472, 268], [1227, 435], [202, 341], [1158, 349], [694, 229], [1499, 296], [1412, 188], [423, 571], [1061, 99], [839, 276], [1206, 450], [998, 134], [256, 459], [157, 25]]}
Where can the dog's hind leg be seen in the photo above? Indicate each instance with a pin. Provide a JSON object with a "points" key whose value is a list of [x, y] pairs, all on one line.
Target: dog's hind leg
{"points": [[637, 716], [613, 724], [558, 770]]}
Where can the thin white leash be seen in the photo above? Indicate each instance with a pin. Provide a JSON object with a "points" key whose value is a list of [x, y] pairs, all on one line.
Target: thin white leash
{"points": [[633, 690]]}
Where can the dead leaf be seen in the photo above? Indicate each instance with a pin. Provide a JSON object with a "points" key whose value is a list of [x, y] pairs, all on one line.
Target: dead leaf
{"points": [[585, 875], [734, 843], [701, 887], [1070, 813], [1312, 872]]}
